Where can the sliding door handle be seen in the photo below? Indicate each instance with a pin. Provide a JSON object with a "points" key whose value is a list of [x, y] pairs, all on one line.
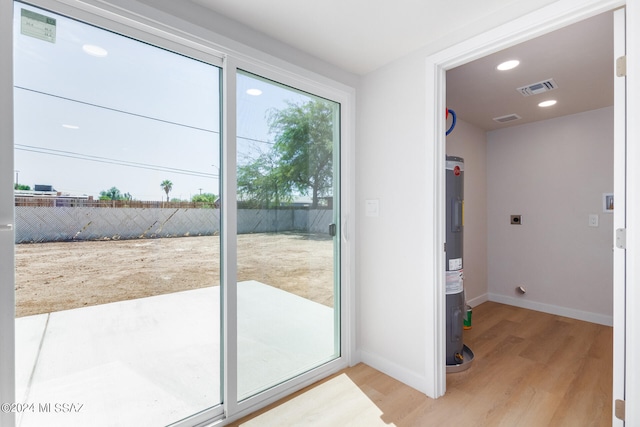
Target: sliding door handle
{"points": [[332, 230], [6, 227]]}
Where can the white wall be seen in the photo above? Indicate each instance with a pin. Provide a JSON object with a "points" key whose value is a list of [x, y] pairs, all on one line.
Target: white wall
{"points": [[391, 254], [553, 173], [470, 143]]}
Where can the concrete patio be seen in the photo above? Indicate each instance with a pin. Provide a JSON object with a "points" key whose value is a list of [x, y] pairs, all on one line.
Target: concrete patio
{"points": [[156, 360]]}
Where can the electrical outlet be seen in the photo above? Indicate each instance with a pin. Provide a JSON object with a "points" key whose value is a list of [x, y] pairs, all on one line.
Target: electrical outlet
{"points": [[516, 219], [593, 220], [372, 207]]}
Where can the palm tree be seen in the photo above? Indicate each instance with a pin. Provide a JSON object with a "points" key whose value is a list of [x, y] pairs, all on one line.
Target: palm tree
{"points": [[166, 186]]}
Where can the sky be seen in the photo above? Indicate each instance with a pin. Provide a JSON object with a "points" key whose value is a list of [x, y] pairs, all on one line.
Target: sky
{"points": [[128, 119]]}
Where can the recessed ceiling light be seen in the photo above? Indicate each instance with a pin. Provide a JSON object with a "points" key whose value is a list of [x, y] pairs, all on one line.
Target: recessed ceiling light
{"points": [[548, 103], [254, 92], [94, 50], [70, 126], [508, 65]]}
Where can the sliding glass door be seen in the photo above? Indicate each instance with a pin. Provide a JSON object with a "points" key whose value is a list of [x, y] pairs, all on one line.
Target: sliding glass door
{"points": [[287, 224], [117, 159], [177, 225]]}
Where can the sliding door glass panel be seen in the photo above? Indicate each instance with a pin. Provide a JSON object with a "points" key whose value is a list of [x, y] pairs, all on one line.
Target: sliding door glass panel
{"points": [[117, 153], [288, 292]]}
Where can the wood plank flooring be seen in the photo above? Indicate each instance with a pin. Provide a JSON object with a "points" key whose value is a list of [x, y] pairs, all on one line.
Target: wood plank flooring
{"points": [[530, 369]]}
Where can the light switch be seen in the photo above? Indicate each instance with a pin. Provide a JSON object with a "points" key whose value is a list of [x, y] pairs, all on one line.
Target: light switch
{"points": [[372, 207], [593, 220]]}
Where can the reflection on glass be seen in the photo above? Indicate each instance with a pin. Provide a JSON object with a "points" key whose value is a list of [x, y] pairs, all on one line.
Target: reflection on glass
{"points": [[287, 291], [117, 227]]}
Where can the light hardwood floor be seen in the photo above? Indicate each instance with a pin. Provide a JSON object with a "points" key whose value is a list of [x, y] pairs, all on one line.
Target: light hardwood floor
{"points": [[530, 369]]}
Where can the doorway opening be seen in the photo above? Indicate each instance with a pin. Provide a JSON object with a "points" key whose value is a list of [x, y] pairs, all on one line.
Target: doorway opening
{"points": [[530, 26], [555, 176]]}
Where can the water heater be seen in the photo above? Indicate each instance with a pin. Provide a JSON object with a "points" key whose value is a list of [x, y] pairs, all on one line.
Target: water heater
{"points": [[455, 301]]}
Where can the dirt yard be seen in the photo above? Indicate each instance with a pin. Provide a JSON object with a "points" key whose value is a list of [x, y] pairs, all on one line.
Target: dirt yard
{"points": [[59, 276]]}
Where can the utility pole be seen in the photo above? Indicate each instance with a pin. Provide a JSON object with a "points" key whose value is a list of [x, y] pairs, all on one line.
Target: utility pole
{"points": [[17, 172]]}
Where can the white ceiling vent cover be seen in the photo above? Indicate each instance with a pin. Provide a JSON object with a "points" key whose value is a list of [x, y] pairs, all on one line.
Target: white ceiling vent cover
{"points": [[508, 118], [536, 88]]}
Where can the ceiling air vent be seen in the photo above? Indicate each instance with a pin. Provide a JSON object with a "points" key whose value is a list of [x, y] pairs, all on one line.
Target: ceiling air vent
{"points": [[536, 88], [508, 118]]}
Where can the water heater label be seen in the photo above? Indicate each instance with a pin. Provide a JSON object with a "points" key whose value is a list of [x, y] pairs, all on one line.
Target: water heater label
{"points": [[454, 282], [455, 264]]}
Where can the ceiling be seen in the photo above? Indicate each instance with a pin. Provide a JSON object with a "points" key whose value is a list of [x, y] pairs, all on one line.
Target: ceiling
{"points": [[579, 58], [359, 38]]}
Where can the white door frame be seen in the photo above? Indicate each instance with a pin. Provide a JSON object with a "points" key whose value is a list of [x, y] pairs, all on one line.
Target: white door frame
{"points": [[7, 238], [619, 213], [632, 367], [542, 21]]}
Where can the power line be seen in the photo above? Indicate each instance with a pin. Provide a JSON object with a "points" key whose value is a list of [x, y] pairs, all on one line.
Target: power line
{"points": [[98, 159], [256, 140], [116, 110], [136, 114]]}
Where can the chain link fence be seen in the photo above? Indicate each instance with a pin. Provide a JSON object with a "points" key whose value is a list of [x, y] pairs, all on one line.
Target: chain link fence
{"points": [[37, 224]]}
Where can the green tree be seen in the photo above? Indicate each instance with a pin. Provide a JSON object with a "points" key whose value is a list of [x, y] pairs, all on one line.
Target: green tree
{"points": [[167, 186], [21, 187], [260, 184], [301, 159], [208, 198], [114, 194]]}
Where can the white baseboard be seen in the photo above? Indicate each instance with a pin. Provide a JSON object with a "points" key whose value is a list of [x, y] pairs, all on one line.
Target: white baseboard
{"points": [[478, 300], [356, 357], [553, 309], [410, 378]]}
